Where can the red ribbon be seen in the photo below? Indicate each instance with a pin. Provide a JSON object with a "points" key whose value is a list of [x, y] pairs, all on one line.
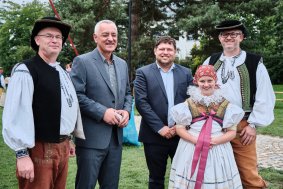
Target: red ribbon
{"points": [[202, 147]]}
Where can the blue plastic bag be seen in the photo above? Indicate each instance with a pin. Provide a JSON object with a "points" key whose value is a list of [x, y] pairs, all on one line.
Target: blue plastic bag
{"points": [[130, 134]]}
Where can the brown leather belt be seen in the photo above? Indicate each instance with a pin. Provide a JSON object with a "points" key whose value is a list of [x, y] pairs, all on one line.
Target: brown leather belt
{"points": [[246, 116]]}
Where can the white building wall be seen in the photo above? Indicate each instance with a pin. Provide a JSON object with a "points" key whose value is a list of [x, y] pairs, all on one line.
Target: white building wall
{"points": [[184, 46]]}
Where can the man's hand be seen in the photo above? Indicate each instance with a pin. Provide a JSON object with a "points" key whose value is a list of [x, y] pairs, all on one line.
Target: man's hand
{"points": [[25, 168], [110, 117], [125, 118], [72, 152], [248, 135], [166, 132], [173, 131]]}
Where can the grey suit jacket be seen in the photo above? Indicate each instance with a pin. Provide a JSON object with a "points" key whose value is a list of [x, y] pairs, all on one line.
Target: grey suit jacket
{"points": [[92, 84]]}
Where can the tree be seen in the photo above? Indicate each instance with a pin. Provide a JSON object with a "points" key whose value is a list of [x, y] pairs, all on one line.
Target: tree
{"points": [[198, 19], [274, 46], [84, 14], [16, 25], [150, 19]]}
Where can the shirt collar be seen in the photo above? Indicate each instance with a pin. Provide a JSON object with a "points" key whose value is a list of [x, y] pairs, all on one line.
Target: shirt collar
{"points": [[160, 68], [104, 59], [54, 64], [239, 59]]}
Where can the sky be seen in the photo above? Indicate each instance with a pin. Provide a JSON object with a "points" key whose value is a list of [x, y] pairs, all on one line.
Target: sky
{"points": [[23, 1]]}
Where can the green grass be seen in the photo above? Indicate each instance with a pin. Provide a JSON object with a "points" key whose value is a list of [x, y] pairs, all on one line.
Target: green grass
{"points": [[134, 173], [278, 88], [276, 128]]}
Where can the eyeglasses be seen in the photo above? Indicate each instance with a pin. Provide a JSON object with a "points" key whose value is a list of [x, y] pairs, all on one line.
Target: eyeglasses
{"points": [[232, 34], [50, 36]]}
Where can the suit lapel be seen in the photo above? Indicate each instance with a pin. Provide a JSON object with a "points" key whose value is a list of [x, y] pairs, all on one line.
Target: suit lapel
{"points": [[159, 78], [118, 74], [101, 68], [176, 79]]}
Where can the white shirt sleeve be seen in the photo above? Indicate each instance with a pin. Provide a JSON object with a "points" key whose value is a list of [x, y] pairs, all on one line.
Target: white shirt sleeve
{"points": [[181, 114], [18, 123], [262, 113], [3, 84], [233, 115], [206, 62]]}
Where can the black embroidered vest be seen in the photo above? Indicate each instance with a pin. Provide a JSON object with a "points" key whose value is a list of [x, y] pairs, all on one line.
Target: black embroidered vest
{"points": [[46, 100], [247, 72]]}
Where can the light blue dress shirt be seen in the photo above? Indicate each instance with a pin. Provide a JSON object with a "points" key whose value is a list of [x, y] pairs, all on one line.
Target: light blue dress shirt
{"points": [[168, 80]]}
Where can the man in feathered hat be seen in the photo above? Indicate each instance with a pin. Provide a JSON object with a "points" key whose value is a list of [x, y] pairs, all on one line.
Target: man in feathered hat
{"points": [[41, 111], [245, 82]]}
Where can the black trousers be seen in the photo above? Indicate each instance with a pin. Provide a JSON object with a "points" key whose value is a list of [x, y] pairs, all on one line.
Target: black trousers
{"points": [[156, 158]]}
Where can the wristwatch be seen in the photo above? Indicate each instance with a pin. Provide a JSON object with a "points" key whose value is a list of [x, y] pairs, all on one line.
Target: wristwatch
{"points": [[252, 125], [21, 153]]}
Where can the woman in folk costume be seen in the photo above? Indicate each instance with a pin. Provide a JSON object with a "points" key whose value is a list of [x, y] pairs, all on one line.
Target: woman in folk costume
{"points": [[205, 122]]}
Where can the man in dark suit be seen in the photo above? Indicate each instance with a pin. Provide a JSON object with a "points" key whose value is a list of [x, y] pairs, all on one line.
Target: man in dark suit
{"points": [[158, 87], [102, 85]]}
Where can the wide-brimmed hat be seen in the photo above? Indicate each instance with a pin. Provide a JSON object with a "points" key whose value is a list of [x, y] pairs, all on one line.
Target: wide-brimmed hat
{"points": [[231, 25], [49, 22]]}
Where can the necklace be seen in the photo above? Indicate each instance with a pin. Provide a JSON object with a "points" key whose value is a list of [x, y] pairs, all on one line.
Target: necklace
{"points": [[230, 74], [65, 86]]}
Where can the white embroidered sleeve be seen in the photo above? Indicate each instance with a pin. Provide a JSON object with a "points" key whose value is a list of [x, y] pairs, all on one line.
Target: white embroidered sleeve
{"points": [[262, 114], [18, 124]]}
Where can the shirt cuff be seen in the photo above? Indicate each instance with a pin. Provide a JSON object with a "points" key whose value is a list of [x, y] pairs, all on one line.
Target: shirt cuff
{"points": [[21, 153]]}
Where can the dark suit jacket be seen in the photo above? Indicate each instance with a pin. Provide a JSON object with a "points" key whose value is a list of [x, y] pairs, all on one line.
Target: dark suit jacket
{"points": [[92, 84], [152, 103]]}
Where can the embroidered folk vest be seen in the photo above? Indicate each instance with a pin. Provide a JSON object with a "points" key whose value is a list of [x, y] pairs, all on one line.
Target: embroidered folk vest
{"points": [[197, 109], [46, 100], [247, 72]]}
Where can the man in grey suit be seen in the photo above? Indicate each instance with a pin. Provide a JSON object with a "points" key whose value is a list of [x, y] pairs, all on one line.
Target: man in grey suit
{"points": [[158, 87], [102, 85]]}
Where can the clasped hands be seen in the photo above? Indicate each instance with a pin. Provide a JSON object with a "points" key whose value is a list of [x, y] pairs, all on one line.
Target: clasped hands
{"points": [[116, 117], [168, 132]]}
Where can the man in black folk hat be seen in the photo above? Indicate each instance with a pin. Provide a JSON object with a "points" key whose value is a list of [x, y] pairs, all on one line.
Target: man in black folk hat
{"points": [[245, 82], [42, 111]]}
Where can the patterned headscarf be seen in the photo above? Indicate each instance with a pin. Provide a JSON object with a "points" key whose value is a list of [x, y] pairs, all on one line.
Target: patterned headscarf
{"points": [[205, 70]]}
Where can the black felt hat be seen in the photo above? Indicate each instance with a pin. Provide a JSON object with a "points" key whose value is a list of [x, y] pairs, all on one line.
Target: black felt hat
{"points": [[49, 22], [231, 25]]}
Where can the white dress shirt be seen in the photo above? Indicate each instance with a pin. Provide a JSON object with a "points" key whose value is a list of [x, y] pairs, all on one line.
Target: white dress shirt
{"points": [[18, 124], [262, 113]]}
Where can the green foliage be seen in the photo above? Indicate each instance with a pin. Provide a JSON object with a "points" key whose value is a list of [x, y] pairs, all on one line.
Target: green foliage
{"points": [[150, 19], [263, 18], [84, 14], [17, 22]]}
